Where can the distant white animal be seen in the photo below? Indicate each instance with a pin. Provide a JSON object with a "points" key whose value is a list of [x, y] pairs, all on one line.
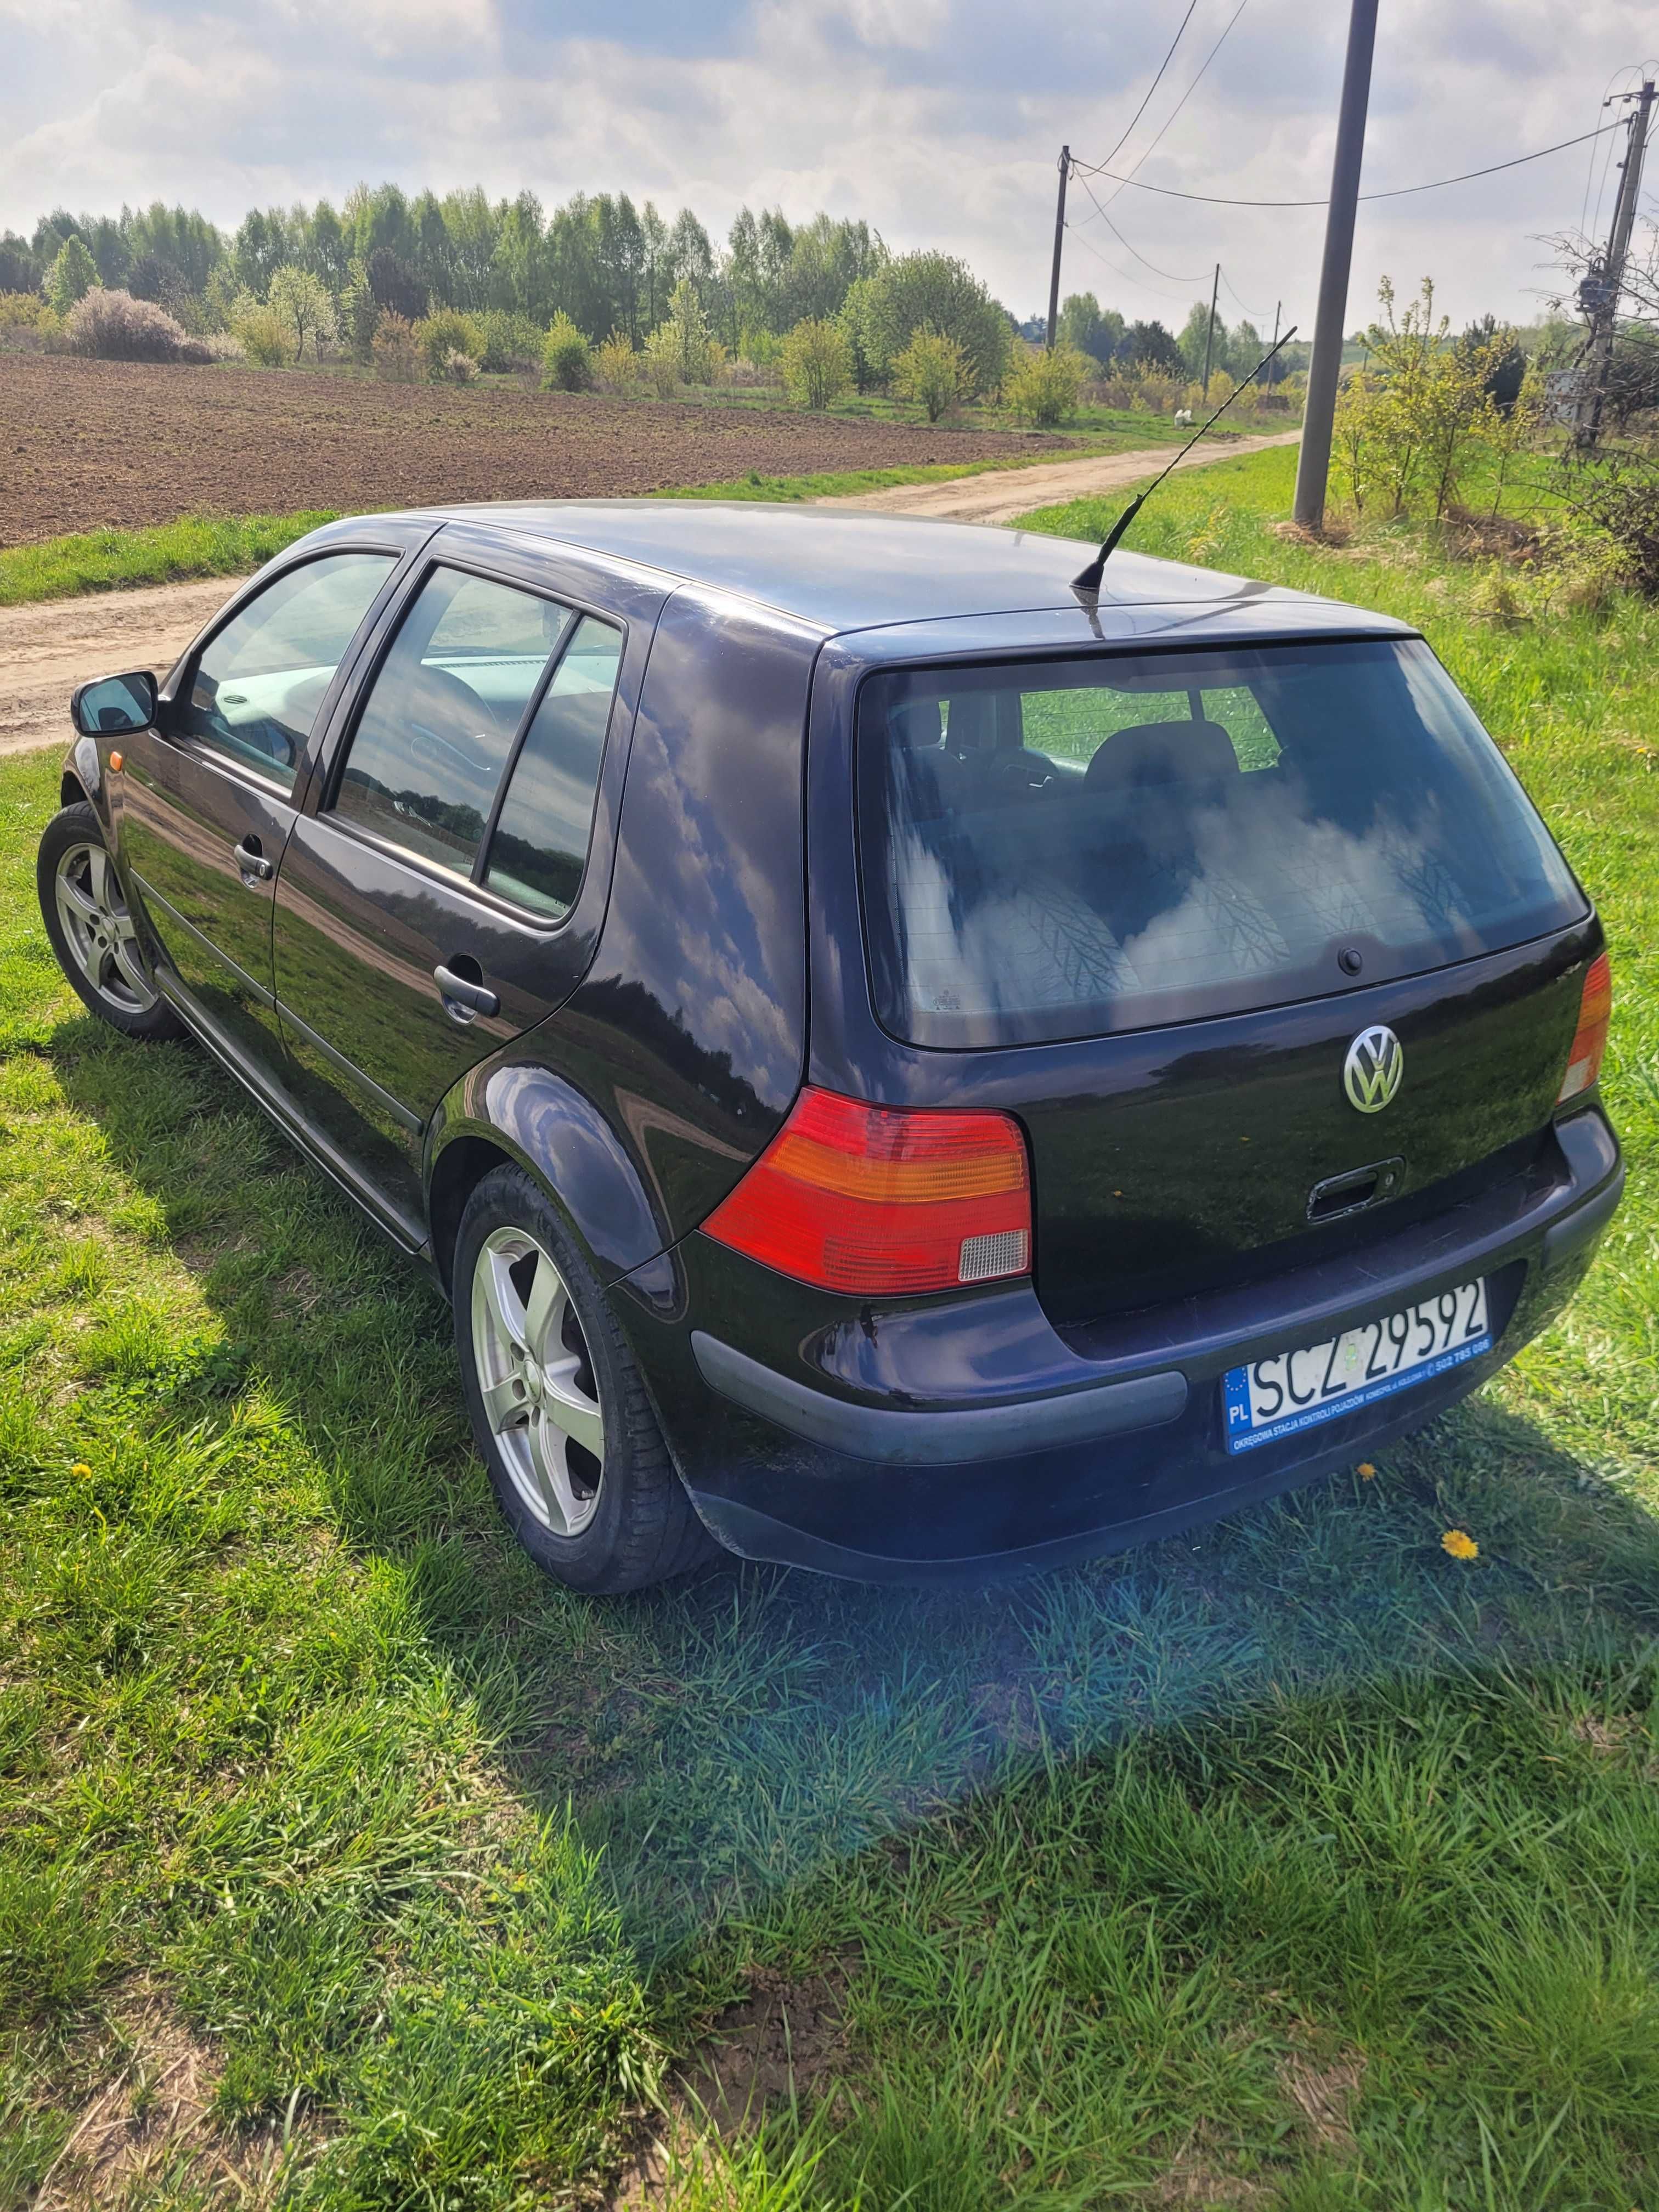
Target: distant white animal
{"points": [[1183, 416]]}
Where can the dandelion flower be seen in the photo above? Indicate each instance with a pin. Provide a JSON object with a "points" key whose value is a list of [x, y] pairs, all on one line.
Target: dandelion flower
{"points": [[81, 1470], [1366, 1472], [1460, 1544]]}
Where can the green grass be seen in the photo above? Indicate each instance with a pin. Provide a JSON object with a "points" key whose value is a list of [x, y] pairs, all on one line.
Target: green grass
{"points": [[1293, 1863], [110, 559]]}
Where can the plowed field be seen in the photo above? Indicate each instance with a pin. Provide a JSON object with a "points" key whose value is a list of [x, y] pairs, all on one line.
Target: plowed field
{"points": [[88, 444]]}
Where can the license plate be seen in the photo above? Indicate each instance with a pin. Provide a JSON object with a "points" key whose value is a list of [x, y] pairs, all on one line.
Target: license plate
{"points": [[1292, 1390]]}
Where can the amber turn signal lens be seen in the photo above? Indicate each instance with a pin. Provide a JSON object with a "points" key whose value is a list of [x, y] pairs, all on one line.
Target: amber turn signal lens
{"points": [[1591, 1038], [115, 762]]}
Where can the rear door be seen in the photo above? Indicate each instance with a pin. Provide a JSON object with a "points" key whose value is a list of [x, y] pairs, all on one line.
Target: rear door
{"points": [[435, 898], [1152, 902], [208, 796]]}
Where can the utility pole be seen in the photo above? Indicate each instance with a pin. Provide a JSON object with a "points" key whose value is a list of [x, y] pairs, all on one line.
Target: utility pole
{"points": [[1209, 335], [1060, 233], [1314, 462], [1604, 282]]}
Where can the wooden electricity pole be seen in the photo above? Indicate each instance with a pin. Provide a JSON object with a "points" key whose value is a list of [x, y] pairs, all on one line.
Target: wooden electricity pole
{"points": [[1603, 282], [1209, 335], [1060, 234]]}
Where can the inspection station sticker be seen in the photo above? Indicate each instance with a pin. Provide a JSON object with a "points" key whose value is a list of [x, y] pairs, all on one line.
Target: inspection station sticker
{"points": [[1294, 1390]]}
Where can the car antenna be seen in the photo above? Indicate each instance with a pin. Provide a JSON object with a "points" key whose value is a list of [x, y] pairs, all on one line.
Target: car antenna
{"points": [[1086, 582]]}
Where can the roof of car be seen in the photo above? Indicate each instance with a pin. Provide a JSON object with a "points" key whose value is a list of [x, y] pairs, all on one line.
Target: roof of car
{"points": [[850, 568]]}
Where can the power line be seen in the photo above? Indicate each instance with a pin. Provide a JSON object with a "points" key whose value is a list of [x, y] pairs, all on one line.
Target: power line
{"points": [[1124, 242], [1237, 302], [1155, 83], [1589, 172], [1127, 276], [1182, 102], [1400, 191]]}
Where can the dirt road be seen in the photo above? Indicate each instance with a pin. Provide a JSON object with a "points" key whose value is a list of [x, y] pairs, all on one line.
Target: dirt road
{"points": [[1001, 493], [46, 650]]}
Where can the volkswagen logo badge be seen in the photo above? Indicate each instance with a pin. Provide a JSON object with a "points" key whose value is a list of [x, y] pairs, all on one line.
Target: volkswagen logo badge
{"points": [[1372, 1070]]}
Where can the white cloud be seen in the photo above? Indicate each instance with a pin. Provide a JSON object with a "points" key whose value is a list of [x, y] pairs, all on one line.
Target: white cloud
{"points": [[937, 121]]}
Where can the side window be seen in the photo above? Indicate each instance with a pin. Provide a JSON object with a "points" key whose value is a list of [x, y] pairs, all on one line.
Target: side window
{"points": [[438, 722], [539, 847], [255, 688]]}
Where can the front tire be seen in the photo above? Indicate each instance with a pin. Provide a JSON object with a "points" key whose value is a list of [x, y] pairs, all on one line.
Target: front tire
{"points": [[558, 1408], [90, 930]]}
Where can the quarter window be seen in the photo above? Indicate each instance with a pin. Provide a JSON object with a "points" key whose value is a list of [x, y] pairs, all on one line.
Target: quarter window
{"points": [[439, 724], [539, 847], [256, 688]]}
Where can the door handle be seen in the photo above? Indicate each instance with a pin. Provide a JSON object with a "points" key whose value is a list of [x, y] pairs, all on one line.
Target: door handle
{"points": [[463, 999], [253, 862]]}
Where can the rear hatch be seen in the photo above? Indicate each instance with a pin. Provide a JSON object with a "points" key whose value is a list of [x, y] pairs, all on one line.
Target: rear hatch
{"points": [[1157, 901]]}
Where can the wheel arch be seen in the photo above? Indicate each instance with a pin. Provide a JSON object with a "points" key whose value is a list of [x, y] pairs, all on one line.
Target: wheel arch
{"points": [[527, 1116]]}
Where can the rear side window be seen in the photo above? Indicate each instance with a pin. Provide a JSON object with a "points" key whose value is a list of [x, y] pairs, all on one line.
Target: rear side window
{"points": [[1063, 849], [540, 845], [441, 718]]}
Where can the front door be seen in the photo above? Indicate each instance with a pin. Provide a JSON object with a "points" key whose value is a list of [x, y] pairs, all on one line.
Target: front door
{"points": [[419, 908], [207, 796]]}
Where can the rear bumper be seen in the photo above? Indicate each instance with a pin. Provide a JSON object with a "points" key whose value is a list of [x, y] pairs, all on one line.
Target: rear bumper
{"points": [[968, 1435]]}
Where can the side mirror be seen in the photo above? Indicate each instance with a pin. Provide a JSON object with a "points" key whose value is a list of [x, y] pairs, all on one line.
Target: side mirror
{"points": [[114, 705]]}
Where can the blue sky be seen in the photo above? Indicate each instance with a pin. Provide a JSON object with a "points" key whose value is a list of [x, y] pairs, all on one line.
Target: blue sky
{"points": [[937, 121]]}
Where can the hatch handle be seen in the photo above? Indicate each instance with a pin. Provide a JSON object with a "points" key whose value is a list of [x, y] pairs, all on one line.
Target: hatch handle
{"points": [[1360, 1188]]}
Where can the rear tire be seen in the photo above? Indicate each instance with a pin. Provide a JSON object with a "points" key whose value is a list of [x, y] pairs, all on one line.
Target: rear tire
{"points": [[91, 930], [558, 1408]]}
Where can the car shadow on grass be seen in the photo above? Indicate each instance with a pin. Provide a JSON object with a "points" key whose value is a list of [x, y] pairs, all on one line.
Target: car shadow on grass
{"points": [[725, 1737]]}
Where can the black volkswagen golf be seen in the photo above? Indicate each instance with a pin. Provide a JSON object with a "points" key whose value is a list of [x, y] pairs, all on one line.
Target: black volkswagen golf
{"points": [[897, 1065]]}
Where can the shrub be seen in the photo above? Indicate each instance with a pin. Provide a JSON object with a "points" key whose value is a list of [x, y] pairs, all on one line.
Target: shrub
{"points": [[1620, 497], [746, 374], [264, 335], [511, 341], [446, 332], [21, 311], [1045, 388], [397, 356], [360, 312], [459, 368], [685, 332], [304, 306], [818, 363], [615, 364], [933, 371], [566, 359], [114, 326], [661, 362], [928, 293], [72, 275]]}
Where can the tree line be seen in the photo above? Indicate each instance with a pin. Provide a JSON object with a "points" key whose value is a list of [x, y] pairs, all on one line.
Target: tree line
{"points": [[608, 264]]}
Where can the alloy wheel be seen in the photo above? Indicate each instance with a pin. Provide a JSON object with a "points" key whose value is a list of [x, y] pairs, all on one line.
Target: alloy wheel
{"points": [[99, 930], [536, 1380]]}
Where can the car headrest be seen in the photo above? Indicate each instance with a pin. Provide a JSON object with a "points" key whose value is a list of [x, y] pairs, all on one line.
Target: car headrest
{"points": [[1151, 753], [914, 722], [972, 726]]}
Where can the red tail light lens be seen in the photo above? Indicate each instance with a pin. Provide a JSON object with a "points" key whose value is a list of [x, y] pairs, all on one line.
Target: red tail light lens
{"points": [[1591, 1038], [874, 1202]]}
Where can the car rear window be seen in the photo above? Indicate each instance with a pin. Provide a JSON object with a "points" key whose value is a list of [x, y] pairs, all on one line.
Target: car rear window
{"points": [[1069, 849]]}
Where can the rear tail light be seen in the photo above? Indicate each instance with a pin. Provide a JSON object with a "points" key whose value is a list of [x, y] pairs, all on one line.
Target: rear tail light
{"points": [[1589, 1039], [875, 1202]]}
